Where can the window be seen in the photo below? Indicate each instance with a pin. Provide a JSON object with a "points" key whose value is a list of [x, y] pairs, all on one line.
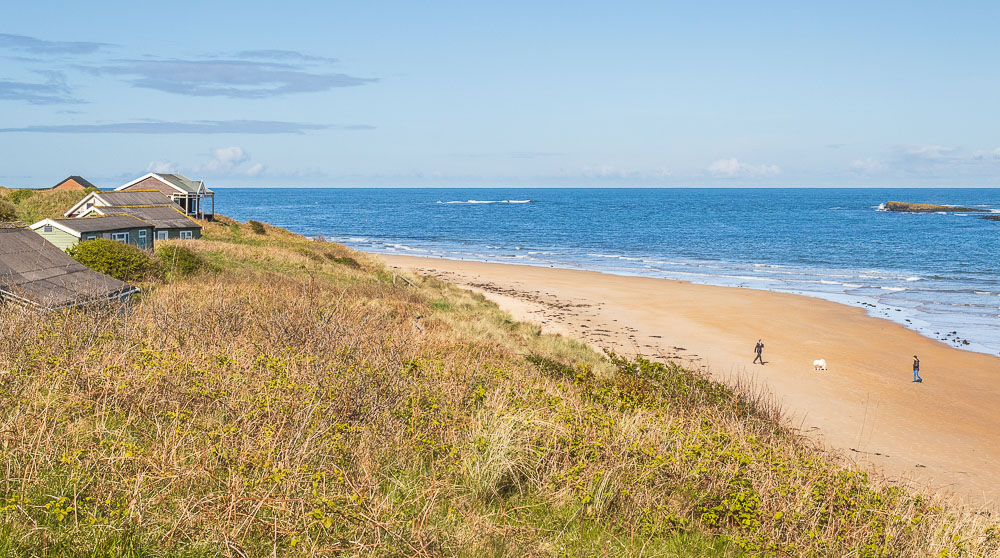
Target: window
{"points": [[142, 233], [120, 237], [162, 235], [47, 228], [91, 237], [187, 234]]}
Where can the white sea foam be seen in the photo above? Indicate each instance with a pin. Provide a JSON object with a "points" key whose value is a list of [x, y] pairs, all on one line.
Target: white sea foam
{"points": [[483, 201], [405, 247], [616, 257]]}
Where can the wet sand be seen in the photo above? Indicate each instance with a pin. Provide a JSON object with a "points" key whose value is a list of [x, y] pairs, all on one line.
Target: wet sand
{"points": [[942, 434]]}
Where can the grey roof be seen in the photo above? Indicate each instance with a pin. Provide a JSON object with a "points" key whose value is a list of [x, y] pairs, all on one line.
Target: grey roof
{"points": [[183, 182], [135, 197], [160, 216], [79, 179], [35, 271], [102, 223]]}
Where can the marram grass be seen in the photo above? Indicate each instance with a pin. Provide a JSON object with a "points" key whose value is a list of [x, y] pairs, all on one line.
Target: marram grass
{"points": [[290, 403]]}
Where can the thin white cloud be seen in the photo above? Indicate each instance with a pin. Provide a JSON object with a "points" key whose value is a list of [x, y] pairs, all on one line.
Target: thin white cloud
{"points": [[41, 46], [53, 91], [231, 161], [928, 152], [929, 161], [987, 155], [161, 166], [733, 168], [236, 79], [868, 165], [224, 160], [612, 172], [193, 127]]}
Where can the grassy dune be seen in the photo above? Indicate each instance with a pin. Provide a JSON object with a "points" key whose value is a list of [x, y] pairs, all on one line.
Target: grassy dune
{"points": [[41, 204], [299, 399]]}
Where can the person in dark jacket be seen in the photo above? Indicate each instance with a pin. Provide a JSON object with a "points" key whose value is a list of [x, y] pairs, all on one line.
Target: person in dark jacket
{"points": [[759, 349], [916, 370]]}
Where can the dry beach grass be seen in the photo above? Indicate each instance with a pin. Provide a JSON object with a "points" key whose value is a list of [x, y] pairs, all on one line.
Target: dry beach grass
{"points": [[300, 399]]}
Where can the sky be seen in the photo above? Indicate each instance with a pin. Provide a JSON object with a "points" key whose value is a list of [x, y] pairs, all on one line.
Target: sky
{"points": [[502, 94]]}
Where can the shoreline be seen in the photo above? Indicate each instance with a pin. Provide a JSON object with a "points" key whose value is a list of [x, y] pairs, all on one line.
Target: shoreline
{"points": [[967, 337], [942, 433]]}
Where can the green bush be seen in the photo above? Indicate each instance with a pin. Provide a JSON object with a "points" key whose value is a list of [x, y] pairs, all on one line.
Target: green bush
{"points": [[179, 260], [17, 196], [257, 227], [7, 211], [117, 259], [343, 260]]}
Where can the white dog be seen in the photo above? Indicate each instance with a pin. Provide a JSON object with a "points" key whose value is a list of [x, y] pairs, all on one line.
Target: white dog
{"points": [[819, 364]]}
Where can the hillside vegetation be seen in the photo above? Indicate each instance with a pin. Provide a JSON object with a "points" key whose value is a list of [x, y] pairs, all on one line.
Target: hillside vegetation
{"points": [[299, 399], [34, 205]]}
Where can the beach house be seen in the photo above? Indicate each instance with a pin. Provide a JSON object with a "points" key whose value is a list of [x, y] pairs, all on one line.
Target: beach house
{"points": [[168, 221], [150, 206], [114, 198], [73, 183], [192, 196], [34, 272], [67, 233]]}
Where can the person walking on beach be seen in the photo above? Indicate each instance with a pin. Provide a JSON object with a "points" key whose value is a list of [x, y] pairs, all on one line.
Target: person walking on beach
{"points": [[759, 349], [916, 370]]}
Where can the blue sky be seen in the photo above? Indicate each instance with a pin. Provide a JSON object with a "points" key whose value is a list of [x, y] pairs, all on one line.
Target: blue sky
{"points": [[502, 94]]}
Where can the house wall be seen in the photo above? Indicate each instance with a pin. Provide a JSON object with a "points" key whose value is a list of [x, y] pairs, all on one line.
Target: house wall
{"points": [[133, 236], [70, 185], [83, 210], [176, 233], [61, 239]]}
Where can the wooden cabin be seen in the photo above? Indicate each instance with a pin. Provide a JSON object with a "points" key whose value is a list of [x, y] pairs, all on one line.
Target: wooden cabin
{"points": [[192, 196], [168, 221], [131, 198], [67, 233]]}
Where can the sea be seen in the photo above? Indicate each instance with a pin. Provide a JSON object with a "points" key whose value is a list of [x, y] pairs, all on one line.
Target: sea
{"points": [[935, 273]]}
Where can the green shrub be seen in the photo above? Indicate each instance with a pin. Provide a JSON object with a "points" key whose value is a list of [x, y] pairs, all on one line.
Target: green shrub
{"points": [[179, 260], [7, 211], [17, 196], [257, 227], [117, 259], [343, 260]]}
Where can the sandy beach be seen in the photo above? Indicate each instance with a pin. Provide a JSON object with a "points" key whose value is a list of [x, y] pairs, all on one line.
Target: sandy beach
{"points": [[943, 434]]}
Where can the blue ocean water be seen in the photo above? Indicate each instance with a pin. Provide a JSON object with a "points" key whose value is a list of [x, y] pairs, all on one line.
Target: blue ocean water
{"points": [[938, 274]]}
